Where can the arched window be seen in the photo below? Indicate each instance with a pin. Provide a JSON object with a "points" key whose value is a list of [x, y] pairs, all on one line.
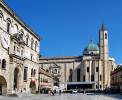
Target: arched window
{"points": [[15, 29], [36, 44], [106, 36], [8, 25], [27, 39], [3, 64], [32, 41], [31, 72], [21, 33], [78, 75], [1, 16], [34, 72], [70, 75]]}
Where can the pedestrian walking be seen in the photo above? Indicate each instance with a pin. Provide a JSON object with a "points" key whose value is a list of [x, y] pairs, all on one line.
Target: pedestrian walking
{"points": [[53, 93], [59, 92], [49, 92]]}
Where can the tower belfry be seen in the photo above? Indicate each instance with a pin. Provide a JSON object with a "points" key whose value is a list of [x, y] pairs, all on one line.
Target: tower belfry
{"points": [[103, 44]]}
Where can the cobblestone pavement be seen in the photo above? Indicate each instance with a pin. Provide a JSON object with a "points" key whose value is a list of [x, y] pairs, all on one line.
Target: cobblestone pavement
{"points": [[66, 97]]}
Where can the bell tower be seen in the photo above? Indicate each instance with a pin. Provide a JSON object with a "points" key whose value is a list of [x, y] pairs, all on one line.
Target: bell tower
{"points": [[103, 44]]}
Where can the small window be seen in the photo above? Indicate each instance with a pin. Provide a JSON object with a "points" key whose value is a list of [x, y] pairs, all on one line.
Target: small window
{"points": [[34, 72], [36, 46], [100, 86], [8, 27], [105, 35], [25, 74], [92, 77], [31, 56], [31, 72], [3, 64], [84, 78], [100, 77], [32, 42], [87, 69], [27, 38], [97, 69], [14, 48]]}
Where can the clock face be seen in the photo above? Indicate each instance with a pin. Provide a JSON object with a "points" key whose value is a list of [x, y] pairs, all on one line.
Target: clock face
{"points": [[5, 40]]}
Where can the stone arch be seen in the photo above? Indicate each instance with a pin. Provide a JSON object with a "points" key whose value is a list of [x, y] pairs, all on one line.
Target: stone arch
{"points": [[3, 86]]}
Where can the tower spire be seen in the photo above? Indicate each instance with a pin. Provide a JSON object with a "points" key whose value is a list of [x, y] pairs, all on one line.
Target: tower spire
{"points": [[103, 28]]}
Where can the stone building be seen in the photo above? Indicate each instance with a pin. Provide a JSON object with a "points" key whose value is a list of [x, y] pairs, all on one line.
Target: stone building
{"points": [[19, 50], [45, 80], [116, 79], [89, 71]]}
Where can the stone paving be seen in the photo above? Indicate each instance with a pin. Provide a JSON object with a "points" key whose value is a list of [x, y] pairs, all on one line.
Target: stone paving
{"points": [[66, 97]]}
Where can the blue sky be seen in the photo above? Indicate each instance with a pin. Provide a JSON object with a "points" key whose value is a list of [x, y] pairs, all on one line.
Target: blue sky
{"points": [[67, 26]]}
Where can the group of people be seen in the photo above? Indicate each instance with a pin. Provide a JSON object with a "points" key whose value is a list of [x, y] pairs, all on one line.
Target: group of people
{"points": [[52, 92]]}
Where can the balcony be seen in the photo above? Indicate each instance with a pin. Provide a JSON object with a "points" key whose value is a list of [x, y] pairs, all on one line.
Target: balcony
{"points": [[14, 57]]}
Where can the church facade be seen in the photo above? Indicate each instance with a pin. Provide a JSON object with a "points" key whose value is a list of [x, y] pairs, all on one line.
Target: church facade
{"points": [[89, 71], [19, 54]]}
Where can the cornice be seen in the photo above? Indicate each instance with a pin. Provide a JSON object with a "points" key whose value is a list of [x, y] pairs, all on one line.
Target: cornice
{"points": [[17, 18], [61, 58]]}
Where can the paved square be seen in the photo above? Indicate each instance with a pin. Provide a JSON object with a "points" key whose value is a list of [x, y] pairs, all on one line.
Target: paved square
{"points": [[66, 97]]}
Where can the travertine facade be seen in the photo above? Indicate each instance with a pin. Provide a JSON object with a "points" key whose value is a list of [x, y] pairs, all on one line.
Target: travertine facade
{"points": [[89, 71], [19, 50]]}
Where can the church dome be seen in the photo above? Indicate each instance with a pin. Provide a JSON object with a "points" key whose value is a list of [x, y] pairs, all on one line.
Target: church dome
{"points": [[91, 48]]}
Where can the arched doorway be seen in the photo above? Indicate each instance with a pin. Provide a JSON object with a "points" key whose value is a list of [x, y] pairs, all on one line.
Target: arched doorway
{"points": [[3, 86], [16, 79]]}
